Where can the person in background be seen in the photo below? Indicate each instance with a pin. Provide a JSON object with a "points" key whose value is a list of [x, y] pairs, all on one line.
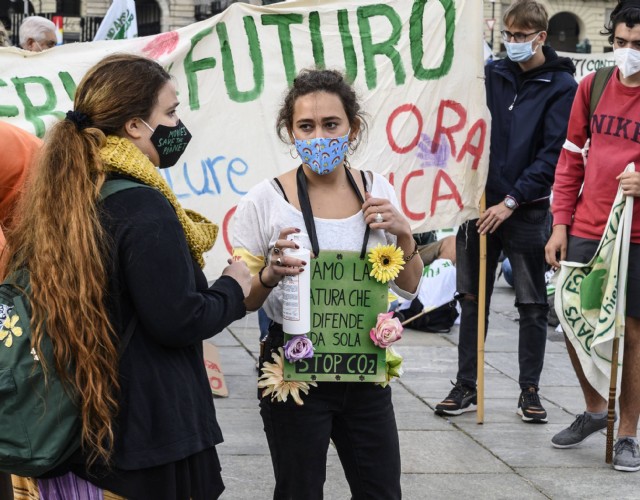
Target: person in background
{"points": [[19, 149], [4, 36], [529, 95], [347, 210], [583, 195], [96, 266], [37, 34]]}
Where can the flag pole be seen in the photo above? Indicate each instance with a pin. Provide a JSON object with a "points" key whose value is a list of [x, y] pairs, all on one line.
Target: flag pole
{"points": [[611, 410], [482, 290], [619, 321]]}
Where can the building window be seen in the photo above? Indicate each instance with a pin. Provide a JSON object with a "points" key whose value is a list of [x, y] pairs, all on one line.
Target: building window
{"points": [[68, 8]]}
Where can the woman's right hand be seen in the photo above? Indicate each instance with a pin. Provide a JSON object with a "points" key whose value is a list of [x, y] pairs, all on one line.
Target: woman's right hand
{"points": [[280, 265], [239, 271], [556, 246]]}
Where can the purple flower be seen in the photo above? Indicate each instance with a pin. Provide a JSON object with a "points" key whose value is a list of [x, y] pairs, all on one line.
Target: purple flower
{"points": [[297, 348]]}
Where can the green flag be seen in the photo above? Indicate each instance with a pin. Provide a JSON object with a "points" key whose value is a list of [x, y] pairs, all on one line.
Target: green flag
{"points": [[119, 22]]}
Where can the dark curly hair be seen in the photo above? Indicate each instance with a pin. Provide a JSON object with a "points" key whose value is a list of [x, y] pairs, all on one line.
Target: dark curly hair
{"points": [[627, 12], [331, 81]]}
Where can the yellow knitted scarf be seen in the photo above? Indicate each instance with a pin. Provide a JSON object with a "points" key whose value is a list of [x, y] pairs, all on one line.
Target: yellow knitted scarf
{"points": [[121, 156]]}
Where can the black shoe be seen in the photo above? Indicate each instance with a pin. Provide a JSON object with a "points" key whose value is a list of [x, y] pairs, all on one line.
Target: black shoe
{"points": [[461, 399], [530, 408]]}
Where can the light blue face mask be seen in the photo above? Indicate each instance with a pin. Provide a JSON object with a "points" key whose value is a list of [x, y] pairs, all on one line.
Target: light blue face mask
{"points": [[323, 154], [521, 52]]}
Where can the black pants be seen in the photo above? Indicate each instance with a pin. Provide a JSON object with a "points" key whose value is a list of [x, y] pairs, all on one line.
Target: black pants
{"points": [[522, 237], [360, 420]]}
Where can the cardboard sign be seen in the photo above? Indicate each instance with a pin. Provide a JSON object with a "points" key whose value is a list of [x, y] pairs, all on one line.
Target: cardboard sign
{"points": [[214, 370], [345, 302]]}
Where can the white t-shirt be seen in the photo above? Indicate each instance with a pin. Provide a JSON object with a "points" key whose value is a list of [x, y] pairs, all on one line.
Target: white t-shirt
{"points": [[263, 212]]}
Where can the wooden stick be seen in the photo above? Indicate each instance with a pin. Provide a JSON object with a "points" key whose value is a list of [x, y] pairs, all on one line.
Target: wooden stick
{"points": [[482, 288], [611, 411], [620, 318], [406, 321]]}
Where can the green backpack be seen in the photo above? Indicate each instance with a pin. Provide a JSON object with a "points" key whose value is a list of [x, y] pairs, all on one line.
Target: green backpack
{"points": [[40, 424], [598, 84]]}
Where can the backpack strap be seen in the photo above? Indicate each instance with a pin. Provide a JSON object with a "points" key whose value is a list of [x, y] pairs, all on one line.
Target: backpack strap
{"points": [[114, 186], [110, 187], [598, 84]]}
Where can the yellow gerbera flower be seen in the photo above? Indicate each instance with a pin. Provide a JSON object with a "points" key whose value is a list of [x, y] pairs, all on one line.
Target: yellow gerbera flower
{"points": [[273, 383], [387, 262]]}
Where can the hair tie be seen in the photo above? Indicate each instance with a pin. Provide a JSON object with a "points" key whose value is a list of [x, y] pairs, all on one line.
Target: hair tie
{"points": [[78, 118]]}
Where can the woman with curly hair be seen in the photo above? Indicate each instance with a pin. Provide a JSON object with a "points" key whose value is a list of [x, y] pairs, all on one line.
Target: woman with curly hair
{"points": [[148, 422]]}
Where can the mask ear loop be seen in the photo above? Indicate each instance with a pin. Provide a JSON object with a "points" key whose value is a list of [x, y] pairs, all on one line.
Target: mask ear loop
{"points": [[148, 126]]}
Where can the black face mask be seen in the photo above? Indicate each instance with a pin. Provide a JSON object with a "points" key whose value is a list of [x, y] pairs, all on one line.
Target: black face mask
{"points": [[170, 143]]}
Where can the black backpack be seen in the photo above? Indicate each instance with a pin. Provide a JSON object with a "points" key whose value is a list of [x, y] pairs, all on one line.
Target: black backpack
{"points": [[438, 320]]}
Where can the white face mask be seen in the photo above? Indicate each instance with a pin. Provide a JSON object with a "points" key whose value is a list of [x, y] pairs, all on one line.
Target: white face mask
{"points": [[627, 60]]}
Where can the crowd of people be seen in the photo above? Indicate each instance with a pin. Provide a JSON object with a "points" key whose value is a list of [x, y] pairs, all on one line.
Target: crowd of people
{"points": [[117, 286]]}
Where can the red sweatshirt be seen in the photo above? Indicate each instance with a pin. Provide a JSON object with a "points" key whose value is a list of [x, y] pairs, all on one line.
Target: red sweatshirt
{"points": [[615, 142]]}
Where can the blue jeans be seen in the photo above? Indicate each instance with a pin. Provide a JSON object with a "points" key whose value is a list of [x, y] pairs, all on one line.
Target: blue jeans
{"points": [[522, 238]]}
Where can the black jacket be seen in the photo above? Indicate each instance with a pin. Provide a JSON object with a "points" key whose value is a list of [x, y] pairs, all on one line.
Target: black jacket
{"points": [[529, 115], [166, 405]]}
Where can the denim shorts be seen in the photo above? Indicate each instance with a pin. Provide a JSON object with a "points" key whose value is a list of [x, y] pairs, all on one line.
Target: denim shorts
{"points": [[583, 249]]}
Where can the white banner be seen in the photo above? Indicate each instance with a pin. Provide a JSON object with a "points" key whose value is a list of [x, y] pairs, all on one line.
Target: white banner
{"points": [[590, 298], [417, 65], [588, 63], [119, 22]]}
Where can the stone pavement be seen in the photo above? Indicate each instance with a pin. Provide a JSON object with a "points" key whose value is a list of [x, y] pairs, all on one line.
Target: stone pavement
{"points": [[442, 458]]}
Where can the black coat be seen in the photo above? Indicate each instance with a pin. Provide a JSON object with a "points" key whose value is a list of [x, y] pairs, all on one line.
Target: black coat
{"points": [[529, 115], [166, 405]]}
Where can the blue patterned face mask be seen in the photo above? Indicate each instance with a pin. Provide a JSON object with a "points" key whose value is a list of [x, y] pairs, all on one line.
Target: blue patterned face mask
{"points": [[323, 154]]}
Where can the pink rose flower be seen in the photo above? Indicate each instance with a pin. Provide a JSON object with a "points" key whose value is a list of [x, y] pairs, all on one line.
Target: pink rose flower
{"points": [[387, 331]]}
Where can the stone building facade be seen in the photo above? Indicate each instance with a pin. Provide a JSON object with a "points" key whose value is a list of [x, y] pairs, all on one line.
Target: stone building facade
{"points": [[571, 22]]}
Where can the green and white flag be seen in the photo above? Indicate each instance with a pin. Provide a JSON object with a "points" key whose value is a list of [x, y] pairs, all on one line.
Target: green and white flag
{"points": [[119, 22], [590, 298]]}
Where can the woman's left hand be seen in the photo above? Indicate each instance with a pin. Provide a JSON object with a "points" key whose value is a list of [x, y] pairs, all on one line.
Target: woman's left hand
{"points": [[630, 183], [379, 213]]}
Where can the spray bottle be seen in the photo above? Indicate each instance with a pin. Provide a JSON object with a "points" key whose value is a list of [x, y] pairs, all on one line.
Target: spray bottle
{"points": [[296, 302]]}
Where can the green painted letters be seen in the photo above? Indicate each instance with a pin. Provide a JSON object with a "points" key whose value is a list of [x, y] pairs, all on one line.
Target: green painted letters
{"points": [[350, 60], [417, 40], [191, 67], [283, 22], [68, 84], [316, 39], [33, 112], [387, 48], [228, 66]]}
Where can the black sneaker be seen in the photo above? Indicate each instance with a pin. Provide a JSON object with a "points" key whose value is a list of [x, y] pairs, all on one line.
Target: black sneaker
{"points": [[530, 408], [461, 399]]}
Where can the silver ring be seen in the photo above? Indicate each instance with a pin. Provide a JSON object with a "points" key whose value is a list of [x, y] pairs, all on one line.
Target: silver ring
{"points": [[379, 218], [279, 261], [276, 250]]}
